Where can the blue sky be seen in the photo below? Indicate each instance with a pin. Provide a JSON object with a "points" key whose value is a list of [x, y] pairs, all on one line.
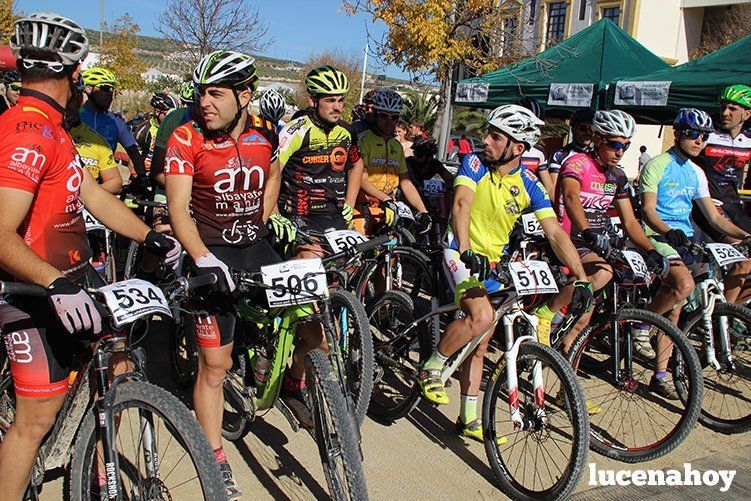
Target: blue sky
{"points": [[300, 27]]}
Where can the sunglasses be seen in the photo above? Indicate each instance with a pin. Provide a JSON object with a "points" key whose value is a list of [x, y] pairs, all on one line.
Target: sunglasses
{"points": [[389, 116], [616, 146], [695, 134], [14, 86], [106, 88]]}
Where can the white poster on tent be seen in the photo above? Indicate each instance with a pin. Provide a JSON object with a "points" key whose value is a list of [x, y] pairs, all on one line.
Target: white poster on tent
{"points": [[641, 93], [571, 94], [473, 92]]}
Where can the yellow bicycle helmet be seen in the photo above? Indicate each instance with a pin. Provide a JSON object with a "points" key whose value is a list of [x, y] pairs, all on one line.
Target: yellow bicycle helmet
{"points": [[98, 76], [326, 81]]}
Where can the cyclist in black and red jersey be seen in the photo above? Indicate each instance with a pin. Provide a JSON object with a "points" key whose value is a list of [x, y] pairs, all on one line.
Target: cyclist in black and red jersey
{"points": [[43, 189], [222, 179]]}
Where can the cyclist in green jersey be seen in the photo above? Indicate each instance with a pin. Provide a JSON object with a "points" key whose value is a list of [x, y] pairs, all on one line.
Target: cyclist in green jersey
{"points": [[172, 121]]}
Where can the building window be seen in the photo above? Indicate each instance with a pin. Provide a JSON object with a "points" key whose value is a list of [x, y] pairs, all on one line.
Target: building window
{"points": [[556, 22], [612, 13], [582, 9], [510, 32]]}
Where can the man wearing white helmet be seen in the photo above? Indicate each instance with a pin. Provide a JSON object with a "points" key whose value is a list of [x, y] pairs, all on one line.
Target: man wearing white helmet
{"points": [[43, 190], [272, 106], [490, 194], [385, 170]]}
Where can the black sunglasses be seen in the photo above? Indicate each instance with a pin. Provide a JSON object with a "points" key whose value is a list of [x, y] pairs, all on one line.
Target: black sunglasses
{"points": [[616, 146], [106, 88], [389, 116], [695, 134]]}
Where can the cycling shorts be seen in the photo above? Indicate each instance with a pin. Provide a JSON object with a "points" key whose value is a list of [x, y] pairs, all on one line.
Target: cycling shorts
{"points": [[216, 320], [38, 346], [694, 265], [460, 279]]}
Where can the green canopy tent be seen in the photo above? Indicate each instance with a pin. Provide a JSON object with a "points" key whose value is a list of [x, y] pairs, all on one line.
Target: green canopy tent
{"points": [[657, 96], [574, 73]]}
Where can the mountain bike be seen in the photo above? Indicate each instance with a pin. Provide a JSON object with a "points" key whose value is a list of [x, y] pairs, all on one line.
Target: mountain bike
{"points": [[137, 437], [721, 334]]}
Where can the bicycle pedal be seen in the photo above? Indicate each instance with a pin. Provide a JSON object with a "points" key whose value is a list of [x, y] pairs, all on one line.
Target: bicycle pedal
{"points": [[287, 413]]}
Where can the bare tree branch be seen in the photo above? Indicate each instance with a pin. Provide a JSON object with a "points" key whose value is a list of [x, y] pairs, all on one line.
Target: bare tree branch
{"points": [[202, 26]]}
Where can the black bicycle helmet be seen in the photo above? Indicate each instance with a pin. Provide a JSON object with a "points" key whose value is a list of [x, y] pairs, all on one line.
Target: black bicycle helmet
{"points": [[582, 116], [161, 101], [425, 146], [11, 76], [532, 105]]}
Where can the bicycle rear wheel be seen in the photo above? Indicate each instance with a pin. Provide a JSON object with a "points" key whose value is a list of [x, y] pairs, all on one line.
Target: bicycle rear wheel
{"points": [[629, 422], [546, 459], [163, 453], [334, 430], [726, 406]]}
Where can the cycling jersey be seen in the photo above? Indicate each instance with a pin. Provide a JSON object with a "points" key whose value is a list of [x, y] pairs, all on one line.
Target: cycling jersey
{"points": [[384, 162], [722, 160], [534, 159], [95, 153], [37, 155], [560, 156], [599, 186], [145, 134], [111, 126], [315, 160], [172, 121], [677, 183], [229, 179], [498, 204]]}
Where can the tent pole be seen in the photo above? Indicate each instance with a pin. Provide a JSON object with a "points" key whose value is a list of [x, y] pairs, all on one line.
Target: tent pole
{"points": [[448, 111]]}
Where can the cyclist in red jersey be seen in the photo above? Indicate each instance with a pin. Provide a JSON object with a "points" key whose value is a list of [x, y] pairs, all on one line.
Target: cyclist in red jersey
{"points": [[43, 187], [224, 167]]}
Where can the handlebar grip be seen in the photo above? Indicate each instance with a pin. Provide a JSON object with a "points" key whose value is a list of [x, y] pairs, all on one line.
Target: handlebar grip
{"points": [[17, 289], [201, 281], [373, 243], [149, 203]]}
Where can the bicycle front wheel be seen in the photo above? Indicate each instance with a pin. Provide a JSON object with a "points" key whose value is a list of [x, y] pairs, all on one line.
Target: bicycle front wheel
{"points": [[545, 458], [726, 406], [162, 451], [335, 430], [629, 421]]}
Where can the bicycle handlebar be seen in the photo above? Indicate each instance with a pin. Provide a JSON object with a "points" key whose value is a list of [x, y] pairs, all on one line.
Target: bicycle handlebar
{"points": [[17, 289]]}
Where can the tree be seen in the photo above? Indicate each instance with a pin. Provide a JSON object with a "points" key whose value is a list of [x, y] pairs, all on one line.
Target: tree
{"points": [[7, 17], [117, 53], [432, 36], [468, 121], [348, 63], [202, 26], [420, 106], [723, 28]]}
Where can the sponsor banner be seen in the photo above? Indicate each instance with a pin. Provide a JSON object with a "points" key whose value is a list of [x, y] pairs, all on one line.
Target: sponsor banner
{"points": [[641, 93], [474, 92], [571, 94]]}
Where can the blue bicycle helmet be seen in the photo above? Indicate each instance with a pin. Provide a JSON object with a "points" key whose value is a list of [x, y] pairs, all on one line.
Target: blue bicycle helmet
{"points": [[691, 118]]}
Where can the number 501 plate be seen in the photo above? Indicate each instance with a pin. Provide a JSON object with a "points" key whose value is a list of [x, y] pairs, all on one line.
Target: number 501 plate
{"points": [[298, 281], [532, 277]]}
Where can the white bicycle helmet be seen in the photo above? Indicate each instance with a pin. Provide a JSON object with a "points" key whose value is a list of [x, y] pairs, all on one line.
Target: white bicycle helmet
{"points": [[64, 39], [388, 100], [272, 106], [226, 67], [614, 123], [518, 122]]}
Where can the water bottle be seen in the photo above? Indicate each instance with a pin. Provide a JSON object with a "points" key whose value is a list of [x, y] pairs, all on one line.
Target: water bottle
{"points": [[262, 366]]}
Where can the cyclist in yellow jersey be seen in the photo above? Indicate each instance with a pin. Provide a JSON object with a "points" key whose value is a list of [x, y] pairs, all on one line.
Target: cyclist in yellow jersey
{"points": [[385, 170], [95, 153]]}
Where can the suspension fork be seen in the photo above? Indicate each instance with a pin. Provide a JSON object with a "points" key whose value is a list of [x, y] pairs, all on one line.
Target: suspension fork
{"points": [[710, 294], [107, 426], [512, 378]]}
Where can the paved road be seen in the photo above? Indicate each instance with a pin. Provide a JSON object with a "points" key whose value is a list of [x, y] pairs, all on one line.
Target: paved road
{"points": [[420, 458]]}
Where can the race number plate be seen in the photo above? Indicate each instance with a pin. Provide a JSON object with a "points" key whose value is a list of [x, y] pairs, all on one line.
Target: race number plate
{"points": [[614, 226], [404, 211], [637, 263], [532, 277], [298, 281], [133, 299], [432, 188], [531, 225], [725, 254], [92, 223], [344, 239]]}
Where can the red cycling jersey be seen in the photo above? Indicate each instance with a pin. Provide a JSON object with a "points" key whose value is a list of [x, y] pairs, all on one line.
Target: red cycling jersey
{"points": [[229, 179], [37, 155]]}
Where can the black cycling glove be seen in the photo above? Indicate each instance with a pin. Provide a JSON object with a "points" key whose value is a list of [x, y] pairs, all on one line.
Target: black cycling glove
{"points": [[598, 242], [676, 238], [478, 264], [582, 298], [163, 246], [423, 221], [656, 263]]}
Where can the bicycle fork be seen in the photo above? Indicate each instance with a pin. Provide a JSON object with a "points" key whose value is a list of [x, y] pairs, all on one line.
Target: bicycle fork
{"points": [[711, 293], [103, 406]]}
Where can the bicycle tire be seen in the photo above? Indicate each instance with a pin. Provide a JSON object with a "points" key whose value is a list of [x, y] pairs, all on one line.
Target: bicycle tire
{"points": [[687, 380], [720, 385], [131, 260], [236, 422], [574, 409], [420, 270], [387, 316], [358, 362], [178, 420], [339, 438]]}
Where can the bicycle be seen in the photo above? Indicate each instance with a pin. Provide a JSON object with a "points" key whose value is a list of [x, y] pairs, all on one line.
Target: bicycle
{"points": [[97, 232], [719, 331], [539, 409], [627, 422], [100, 418]]}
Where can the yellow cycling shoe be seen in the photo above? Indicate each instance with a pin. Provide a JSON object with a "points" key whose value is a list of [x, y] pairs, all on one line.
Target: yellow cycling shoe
{"points": [[591, 408], [473, 430], [432, 387]]}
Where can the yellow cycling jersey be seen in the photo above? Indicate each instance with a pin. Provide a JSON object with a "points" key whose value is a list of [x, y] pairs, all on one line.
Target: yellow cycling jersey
{"points": [[94, 151], [384, 161]]}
